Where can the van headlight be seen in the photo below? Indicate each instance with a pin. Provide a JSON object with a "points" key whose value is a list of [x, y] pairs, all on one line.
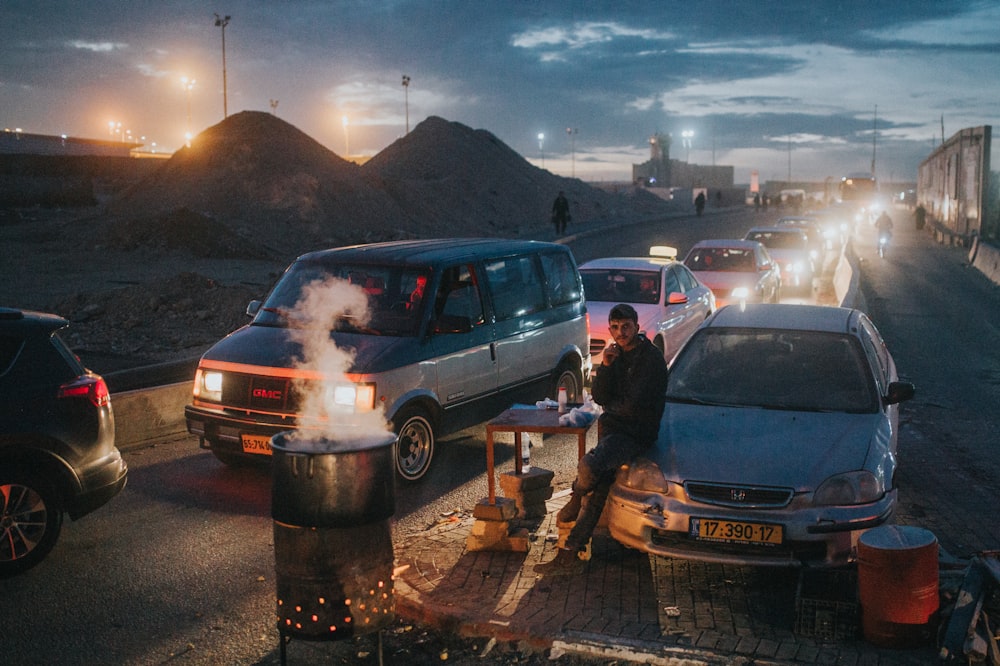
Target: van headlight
{"points": [[208, 385], [860, 487], [358, 397], [740, 293]]}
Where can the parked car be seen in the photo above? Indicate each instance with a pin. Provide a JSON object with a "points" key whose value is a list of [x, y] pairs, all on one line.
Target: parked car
{"points": [[737, 271], [777, 445], [57, 438], [670, 300], [439, 335], [789, 247]]}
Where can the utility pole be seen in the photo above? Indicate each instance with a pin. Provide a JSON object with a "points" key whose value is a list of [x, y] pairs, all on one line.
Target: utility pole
{"points": [[874, 138], [222, 22], [572, 131], [406, 96]]}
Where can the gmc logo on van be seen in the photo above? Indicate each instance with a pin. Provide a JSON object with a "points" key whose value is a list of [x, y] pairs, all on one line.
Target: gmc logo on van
{"points": [[266, 394]]}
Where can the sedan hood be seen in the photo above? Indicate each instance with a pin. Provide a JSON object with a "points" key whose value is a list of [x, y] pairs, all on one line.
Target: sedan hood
{"points": [[724, 280], [769, 447]]}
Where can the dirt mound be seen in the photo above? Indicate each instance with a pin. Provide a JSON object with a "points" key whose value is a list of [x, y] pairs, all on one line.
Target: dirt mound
{"points": [[267, 182], [182, 229]]}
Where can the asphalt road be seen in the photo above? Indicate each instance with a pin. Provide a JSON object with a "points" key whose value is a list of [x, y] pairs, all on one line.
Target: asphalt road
{"points": [[180, 567]]}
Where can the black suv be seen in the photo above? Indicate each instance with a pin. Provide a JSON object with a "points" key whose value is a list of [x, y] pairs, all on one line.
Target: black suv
{"points": [[57, 438]]}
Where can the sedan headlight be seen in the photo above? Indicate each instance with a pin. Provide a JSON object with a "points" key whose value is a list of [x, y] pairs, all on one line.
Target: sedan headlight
{"points": [[208, 385], [861, 487], [741, 293], [642, 474]]}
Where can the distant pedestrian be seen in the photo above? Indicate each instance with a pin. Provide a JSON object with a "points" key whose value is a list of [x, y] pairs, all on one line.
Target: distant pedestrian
{"points": [[920, 216], [699, 203], [756, 202], [560, 213]]}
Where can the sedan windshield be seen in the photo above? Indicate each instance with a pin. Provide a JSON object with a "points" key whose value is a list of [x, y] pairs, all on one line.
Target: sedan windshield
{"points": [[726, 259], [621, 286], [774, 369], [395, 296]]}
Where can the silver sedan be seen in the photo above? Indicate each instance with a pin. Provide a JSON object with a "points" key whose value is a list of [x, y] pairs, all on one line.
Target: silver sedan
{"points": [[777, 445]]}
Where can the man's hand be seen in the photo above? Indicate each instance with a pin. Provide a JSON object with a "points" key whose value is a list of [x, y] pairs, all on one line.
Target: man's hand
{"points": [[610, 354]]}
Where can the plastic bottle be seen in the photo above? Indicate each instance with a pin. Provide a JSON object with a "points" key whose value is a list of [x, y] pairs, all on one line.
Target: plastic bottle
{"points": [[562, 399], [525, 452]]}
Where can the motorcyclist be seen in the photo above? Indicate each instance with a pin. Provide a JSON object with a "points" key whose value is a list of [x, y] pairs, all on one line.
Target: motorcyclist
{"points": [[884, 226]]}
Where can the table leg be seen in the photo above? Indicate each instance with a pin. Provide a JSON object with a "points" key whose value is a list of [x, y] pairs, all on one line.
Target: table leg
{"points": [[489, 468]]}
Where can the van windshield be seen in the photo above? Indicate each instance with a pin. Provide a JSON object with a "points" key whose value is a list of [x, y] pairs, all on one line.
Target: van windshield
{"points": [[395, 296]]}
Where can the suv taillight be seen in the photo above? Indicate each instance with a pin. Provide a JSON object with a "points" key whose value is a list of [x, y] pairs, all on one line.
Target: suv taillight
{"points": [[91, 387]]}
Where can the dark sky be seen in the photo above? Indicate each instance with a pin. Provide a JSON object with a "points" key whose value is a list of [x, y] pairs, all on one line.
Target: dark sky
{"points": [[814, 88]]}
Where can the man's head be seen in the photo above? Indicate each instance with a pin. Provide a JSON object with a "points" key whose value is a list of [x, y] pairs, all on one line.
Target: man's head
{"points": [[623, 324]]}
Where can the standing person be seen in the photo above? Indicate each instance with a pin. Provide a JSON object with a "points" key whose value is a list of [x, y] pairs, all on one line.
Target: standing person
{"points": [[756, 202], [560, 213], [699, 202], [630, 384], [920, 216]]}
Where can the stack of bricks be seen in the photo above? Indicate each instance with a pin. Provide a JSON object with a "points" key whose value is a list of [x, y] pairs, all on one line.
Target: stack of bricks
{"points": [[491, 529], [529, 490]]}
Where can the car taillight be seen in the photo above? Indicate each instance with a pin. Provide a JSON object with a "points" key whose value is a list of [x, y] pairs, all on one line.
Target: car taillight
{"points": [[90, 387]]}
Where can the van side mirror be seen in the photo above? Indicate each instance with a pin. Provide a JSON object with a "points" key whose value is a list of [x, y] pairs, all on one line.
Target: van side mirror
{"points": [[899, 392], [451, 324], [253, 307]]}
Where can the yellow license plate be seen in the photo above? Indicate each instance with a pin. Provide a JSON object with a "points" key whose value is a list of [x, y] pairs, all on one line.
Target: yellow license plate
{"points": [[258, 444], [731, 531]]}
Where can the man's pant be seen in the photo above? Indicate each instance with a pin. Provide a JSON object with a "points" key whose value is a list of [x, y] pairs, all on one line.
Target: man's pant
{"points": [[595, 474]]}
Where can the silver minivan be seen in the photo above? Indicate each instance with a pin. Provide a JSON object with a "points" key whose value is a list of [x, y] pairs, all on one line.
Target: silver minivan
{"points": [[433, 335]]}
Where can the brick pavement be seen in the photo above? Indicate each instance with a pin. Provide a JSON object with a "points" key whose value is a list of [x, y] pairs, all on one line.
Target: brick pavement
{"points": [[626, 605]]}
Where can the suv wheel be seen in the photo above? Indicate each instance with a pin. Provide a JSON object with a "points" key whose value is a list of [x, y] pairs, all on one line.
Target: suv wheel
{"points": [[30, 521], [414, 443]]}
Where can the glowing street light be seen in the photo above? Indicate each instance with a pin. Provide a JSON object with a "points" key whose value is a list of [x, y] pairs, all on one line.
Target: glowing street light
{"points": [[222, 22], [406, 94], [541, 147], [687, 136]]}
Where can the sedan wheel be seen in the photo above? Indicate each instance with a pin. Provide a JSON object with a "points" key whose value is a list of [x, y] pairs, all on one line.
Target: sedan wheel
{"points": [[30, 521]]}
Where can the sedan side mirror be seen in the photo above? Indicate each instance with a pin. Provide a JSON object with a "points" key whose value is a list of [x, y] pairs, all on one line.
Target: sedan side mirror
{"points": [[899, 392], [764, 267], [676, 298]]}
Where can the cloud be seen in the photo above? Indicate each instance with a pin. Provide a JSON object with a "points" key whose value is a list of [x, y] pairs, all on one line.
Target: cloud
{"points": [[97, 47]]}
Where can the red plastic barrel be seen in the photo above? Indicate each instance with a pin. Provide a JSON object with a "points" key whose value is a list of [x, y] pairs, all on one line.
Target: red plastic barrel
{"points": [[898, 585]]}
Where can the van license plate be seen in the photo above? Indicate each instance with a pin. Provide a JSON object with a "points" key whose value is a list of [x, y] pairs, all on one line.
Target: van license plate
{"points": [[731, 531], [258, 444]]}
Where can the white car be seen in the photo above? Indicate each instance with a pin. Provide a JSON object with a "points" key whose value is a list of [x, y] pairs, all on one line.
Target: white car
{"points": [[777, 446], [670, 300]]}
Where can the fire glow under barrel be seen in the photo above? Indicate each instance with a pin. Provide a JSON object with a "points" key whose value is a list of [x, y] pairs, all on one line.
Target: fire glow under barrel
{"points": [[331, 504]]}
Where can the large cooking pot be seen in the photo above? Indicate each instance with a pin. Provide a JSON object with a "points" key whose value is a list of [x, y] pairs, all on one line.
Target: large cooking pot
{"points": [[324, 482]]}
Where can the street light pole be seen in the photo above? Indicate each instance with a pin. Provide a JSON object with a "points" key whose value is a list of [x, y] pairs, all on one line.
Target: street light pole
{"points": [[572, 131], [541, 147], [222, 22], [188, 86], [406, 96], [347, 140]]}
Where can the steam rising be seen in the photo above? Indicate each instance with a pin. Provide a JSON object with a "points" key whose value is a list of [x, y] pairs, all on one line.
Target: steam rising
{"points": [[323, 303]]}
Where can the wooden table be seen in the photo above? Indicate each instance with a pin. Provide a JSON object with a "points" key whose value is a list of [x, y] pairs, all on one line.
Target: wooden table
{"points": [[529, 419]]}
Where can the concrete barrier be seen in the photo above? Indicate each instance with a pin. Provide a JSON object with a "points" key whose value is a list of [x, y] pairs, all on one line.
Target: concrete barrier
{"points": [[144, 415], [986, 259]]}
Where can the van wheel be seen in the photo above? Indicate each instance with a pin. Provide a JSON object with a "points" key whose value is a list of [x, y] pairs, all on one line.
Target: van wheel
{"points": [[30, 521], [569, 378], [414, 443]]}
